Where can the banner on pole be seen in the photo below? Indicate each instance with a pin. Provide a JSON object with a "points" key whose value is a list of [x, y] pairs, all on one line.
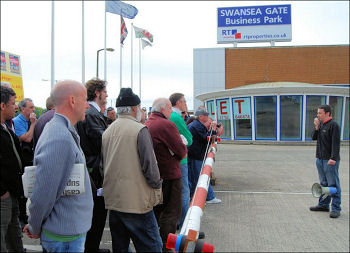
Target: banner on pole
{"points": [[122, 9], [143, 33]]}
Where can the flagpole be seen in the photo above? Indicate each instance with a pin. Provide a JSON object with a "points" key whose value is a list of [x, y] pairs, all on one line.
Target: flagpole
{"points": [[83, 44], [132, 28], [105, 58], [121, 52], [140, 67], [52, 43]]}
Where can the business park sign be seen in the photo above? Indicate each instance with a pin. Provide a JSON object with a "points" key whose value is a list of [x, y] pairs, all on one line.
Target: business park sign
{"points": [[254, 24]]}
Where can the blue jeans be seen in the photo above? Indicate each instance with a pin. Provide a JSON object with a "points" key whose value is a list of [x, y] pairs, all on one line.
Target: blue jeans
{"points": [[141, 228], [328, 175], [55, 246], [194, 170], [185, 193]]}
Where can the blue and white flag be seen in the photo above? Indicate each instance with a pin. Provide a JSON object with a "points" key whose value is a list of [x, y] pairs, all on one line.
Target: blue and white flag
{"points": [[122, 9]]}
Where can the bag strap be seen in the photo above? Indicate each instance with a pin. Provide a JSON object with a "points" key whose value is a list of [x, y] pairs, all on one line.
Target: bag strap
{"points": [[14, 148]]}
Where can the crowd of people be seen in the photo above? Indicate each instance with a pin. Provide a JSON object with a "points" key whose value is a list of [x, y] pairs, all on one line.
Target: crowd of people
{"points": [[142, 168]]}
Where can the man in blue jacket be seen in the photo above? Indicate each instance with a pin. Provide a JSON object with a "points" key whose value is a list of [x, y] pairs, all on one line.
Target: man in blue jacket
{"points": [[196, 152]]}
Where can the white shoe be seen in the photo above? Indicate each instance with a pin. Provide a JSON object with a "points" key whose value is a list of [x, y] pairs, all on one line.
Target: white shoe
{"points": [[214, 201]]}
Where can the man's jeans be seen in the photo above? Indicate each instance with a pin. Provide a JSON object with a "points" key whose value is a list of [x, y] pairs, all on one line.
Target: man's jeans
{"points": [[141, 228], [194, 170], [55, 246], [11, 234], [185, 193], [328, 175]]}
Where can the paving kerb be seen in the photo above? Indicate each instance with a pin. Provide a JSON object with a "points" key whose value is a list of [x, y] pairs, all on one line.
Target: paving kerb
{"points": [[266, 194]]}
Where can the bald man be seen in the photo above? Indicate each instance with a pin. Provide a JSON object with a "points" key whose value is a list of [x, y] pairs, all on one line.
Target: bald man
{"points": [[169, 150], [61, 221]]}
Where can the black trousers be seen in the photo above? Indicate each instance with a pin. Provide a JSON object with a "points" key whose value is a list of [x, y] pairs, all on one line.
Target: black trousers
{"points": [[94, 235], [168, 213]]}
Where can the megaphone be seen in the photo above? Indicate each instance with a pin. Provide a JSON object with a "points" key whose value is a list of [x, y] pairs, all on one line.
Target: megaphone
{"points": [[317, 191]]}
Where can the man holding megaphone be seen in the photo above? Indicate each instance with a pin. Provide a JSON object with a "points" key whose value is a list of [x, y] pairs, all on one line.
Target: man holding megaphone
{"points": [[327, 134]]}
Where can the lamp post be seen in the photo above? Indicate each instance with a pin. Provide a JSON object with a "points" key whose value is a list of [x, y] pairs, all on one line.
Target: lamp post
{"points": [[98, 51]]}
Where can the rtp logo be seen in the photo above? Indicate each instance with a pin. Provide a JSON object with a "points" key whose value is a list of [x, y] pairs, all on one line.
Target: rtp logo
{"points": [[231, 32]]}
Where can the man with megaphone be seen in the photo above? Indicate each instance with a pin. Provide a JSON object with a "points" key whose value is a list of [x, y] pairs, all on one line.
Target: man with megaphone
{"points": [[327, 134]]}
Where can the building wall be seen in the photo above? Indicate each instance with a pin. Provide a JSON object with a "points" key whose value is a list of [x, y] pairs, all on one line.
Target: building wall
{"points": [[306, 64], [208, 72]]}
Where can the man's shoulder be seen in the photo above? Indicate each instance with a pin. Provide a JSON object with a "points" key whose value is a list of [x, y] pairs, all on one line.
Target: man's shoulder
{"points": [[18, 118]]}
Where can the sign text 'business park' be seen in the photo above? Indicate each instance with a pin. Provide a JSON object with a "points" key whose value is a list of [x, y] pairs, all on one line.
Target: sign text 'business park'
{"points": [[254, 24]]}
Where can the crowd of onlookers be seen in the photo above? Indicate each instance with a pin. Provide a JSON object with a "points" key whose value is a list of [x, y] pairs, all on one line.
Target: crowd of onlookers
{"points": [[142, 168]]}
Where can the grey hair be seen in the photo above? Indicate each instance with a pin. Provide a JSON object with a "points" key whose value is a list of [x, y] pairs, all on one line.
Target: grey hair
{"points": [[5, 84], [124, 110], [159, 105], [23, 103]]}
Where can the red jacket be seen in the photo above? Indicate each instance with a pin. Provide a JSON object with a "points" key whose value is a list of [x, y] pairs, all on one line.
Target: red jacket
{"points": [[168, 146]]}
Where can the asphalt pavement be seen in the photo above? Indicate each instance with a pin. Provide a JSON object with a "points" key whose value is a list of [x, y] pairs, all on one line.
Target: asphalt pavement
{"points": [[266, 194]]}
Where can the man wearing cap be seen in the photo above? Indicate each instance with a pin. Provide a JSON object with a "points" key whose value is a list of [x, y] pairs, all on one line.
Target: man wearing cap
{"points": [[132, 185], [111, 115], [196, 152], [169, 150]]}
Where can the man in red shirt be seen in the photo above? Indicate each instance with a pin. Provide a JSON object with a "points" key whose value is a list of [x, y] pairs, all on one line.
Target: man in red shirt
{"points": [[169, 150]]}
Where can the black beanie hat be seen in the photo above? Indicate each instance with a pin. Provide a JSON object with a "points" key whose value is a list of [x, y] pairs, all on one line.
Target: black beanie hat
{"points": [[127, 98]]}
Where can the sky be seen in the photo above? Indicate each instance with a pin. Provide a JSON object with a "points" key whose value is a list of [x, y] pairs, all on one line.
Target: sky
{"points": [[167, 67]]}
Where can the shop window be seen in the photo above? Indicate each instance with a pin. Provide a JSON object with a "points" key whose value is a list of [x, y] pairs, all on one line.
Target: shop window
{"points": [[242, 118], [346, 120], [312, 104], [211, 109], [291, 117], [336, 104], [224, 116], [265, 117]]}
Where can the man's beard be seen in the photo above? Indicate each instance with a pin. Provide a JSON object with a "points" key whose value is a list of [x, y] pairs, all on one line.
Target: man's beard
{"points": [[138, 115]]}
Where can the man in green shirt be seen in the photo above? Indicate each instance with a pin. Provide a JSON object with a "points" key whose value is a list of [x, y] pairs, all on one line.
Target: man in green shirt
{"points": [[178, 103]]}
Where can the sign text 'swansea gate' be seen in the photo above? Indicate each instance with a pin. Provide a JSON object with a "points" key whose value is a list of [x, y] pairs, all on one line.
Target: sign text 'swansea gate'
{"points": [[254, 24]]}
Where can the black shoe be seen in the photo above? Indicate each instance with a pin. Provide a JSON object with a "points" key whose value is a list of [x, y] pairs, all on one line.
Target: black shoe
{"points": [[201, 235], [334, 214], [104, 250], [319, 208]]}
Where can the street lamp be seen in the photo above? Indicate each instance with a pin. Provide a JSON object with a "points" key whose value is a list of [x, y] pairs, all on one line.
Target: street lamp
{"points": [[98, 51]]}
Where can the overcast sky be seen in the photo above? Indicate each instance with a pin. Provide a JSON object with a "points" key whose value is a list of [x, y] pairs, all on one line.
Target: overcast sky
{"points": [[177, 26]]}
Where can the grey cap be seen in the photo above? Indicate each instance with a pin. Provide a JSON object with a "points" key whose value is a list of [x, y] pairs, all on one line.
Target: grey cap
{"points": [[201, 111]]}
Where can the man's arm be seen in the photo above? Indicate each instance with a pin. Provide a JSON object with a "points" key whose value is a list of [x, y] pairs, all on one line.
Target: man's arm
{"points": [[174, 142], [335, 143], [181, 125], [148, 159], [54, 160]]}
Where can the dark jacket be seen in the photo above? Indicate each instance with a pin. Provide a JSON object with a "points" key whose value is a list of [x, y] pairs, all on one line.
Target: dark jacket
{"points": [[199, 136], [166, 139], [11, 172], [328, 141], [90, 131], [40, 124]]}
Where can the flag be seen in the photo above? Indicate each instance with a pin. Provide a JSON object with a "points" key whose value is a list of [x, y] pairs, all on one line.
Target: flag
{"points": [[142, 33], [123, 30], [122, 9], [145, 43]]}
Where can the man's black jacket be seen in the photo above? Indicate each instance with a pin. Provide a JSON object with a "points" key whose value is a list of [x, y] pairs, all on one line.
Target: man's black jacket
{"points": [[90, 131], [328, 141], [11, 172]]}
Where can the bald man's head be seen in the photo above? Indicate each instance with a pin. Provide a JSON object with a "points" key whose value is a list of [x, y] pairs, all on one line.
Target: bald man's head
{"points": [[63, 89]]}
